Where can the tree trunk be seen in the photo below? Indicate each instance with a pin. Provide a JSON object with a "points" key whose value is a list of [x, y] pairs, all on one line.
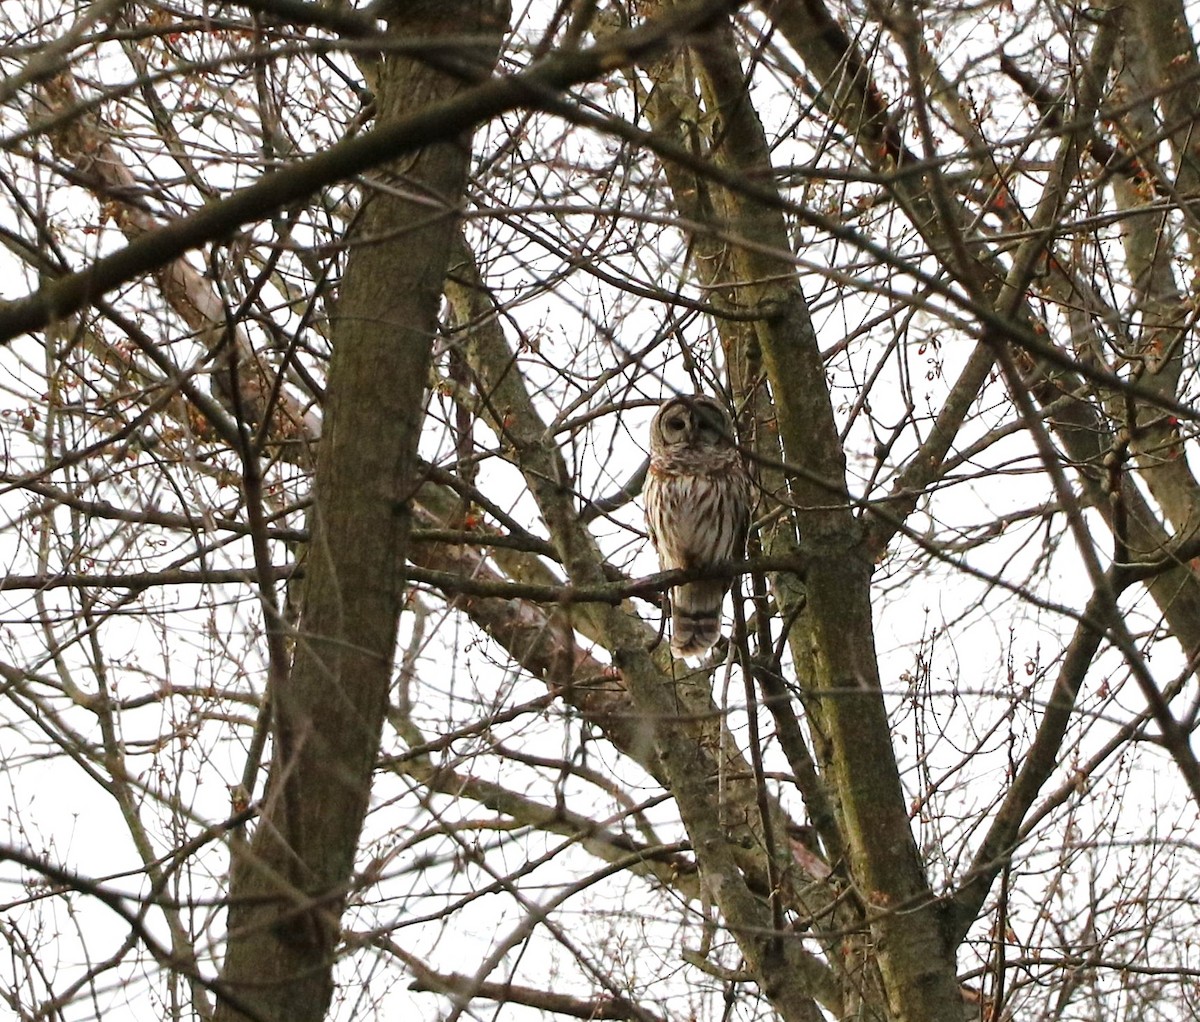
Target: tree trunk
{"points": [[291, 884]]}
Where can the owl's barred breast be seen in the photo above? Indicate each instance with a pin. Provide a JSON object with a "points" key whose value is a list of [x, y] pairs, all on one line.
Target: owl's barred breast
{"points": [[697, 516]]}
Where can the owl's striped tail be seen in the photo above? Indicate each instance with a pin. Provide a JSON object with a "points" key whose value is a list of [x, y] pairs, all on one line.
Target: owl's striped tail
{"points": [[695, 617]]}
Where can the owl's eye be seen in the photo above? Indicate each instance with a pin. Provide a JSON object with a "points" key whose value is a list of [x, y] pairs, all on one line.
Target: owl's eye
{"points": [[677, 423]]}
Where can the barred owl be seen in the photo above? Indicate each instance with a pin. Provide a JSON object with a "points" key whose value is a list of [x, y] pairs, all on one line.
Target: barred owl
{"points": [[697, 508]]}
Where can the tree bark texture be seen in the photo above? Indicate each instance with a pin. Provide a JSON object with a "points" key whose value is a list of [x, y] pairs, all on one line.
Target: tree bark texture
{"points": [[290, 885]]}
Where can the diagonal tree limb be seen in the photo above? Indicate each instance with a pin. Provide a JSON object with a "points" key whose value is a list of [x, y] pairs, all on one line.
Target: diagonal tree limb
{"points": [[277, 189]]}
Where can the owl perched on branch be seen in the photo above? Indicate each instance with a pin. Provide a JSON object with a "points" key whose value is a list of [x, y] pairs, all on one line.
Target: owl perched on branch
{"points": [[697, 497]]}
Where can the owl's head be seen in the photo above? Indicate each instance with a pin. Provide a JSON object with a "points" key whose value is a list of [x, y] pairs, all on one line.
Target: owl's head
{"points": [[695, 422]]}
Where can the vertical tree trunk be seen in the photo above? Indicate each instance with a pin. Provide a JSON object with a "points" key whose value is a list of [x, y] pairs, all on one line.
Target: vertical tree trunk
{"points": [[290, 885], [833, 640]]}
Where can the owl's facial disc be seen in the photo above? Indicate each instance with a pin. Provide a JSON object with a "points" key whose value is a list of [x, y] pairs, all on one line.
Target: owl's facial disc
{"points": [[698, 422]]}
